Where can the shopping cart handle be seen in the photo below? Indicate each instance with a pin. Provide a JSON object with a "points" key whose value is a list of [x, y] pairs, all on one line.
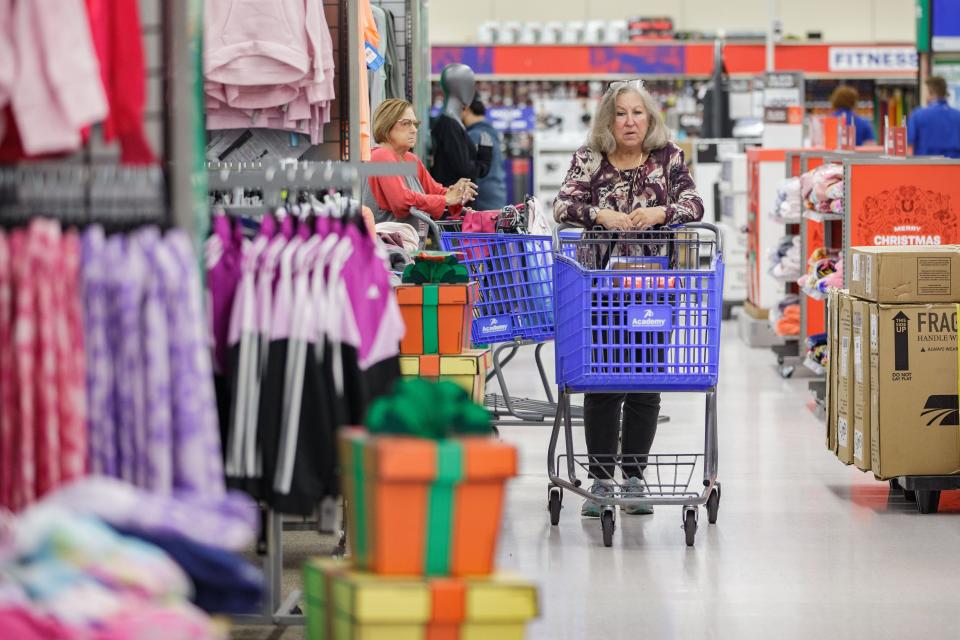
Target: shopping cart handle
{"points": [[703, 225], [431, 224], [563, 226]]}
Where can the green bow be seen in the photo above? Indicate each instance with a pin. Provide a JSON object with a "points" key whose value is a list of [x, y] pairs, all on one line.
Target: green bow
{"points": [[424, 409], [436, 267]]}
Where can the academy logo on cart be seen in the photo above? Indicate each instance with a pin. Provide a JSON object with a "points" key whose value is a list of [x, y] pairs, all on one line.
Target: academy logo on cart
{"points": [[495, 326], [942, 410], [650, 318]]}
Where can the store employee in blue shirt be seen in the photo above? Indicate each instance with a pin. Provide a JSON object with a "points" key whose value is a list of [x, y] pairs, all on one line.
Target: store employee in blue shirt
{"points": [[934, 130], [844, 101]]}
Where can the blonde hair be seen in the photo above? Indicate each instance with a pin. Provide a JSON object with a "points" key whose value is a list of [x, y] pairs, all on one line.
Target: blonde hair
{"points": [[388, 114], [601, 138]]}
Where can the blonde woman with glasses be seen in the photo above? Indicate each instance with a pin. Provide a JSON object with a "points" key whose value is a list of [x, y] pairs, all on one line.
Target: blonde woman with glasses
{"points": [[628, 176], [395, 128]]}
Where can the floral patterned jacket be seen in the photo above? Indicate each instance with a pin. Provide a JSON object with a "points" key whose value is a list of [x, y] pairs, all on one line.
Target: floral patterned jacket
{"points": [[593, 183]]}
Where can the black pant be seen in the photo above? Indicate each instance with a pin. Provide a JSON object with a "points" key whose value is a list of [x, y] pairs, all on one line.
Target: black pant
{"points": [[602, 418]]}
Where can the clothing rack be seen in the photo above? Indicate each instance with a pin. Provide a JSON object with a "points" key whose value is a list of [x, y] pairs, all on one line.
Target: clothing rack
{"points": [[272, 178], [83, 193]]}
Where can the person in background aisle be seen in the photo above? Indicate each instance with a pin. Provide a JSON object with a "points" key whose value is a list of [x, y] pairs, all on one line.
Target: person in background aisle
{"points": [[628, 176], [395, 127], [844, 102], [492, 188], [934, 130], [455, 155]]}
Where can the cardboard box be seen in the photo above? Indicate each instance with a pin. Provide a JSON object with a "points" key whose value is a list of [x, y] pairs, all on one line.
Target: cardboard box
{"points": [[861, 385], [343, 604], [468, 370], [833, 317], [906, 273], [845, 381], [424, 507], [437, 317], [915, 417]]}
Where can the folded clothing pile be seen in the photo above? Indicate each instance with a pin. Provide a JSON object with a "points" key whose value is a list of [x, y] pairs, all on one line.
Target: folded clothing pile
{"points": [[817, 349], [787, 209], [268, 65], [785, 317], [785, 260], [822, 189], [824, 272], [95, 560]]}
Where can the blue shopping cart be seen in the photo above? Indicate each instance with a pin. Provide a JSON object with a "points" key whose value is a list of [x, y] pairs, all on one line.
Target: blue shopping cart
{"points": [[638, 312], [515, 307]]}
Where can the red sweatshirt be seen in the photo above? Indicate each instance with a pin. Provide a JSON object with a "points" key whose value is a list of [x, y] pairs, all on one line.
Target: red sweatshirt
{"points": [[393, 194]]}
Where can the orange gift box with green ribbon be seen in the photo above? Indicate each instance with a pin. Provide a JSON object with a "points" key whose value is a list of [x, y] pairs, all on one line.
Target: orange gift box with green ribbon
{"points": [[425, 497], [436, 302]]}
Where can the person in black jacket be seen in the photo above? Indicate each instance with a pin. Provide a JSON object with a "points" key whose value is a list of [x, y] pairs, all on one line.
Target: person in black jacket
{"points": [[455, 156]]}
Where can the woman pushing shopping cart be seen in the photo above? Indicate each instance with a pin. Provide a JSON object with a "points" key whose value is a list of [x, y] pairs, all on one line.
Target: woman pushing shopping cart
{"points": [[637, 310]]}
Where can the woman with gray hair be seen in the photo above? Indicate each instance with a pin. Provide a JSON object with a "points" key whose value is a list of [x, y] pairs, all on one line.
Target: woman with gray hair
{"points": [[629, 176]]}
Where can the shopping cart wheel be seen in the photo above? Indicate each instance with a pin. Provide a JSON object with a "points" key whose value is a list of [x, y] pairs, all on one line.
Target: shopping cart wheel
{"points": [[555, 504], [608, 525], [786, 371], [713, 505], [690, 525], [928, 501]]}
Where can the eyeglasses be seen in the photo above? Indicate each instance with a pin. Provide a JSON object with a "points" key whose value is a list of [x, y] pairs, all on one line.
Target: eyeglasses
{"points": [[622, 84], [406, 124]]}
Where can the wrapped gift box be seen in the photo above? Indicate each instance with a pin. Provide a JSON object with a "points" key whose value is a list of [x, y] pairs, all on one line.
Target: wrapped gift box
{"points": [[344, 604], [468, 370], [424, 507], [437, 317]]}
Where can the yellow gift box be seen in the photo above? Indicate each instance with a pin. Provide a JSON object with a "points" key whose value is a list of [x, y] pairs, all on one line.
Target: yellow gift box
{"points": [[343, 604], [468, 370]]}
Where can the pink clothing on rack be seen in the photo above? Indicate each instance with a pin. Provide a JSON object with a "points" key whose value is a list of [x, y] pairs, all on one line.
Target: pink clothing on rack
{"points": [[58, 89], [25, 349], [8, 389]]}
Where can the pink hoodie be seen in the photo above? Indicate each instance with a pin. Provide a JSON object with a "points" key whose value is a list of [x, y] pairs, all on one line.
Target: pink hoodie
{"points": [[262, 50], [58, 90]]}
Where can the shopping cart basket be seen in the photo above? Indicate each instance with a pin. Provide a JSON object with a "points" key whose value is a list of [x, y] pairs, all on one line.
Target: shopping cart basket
{"points": [[638, 312], [515, 305]]}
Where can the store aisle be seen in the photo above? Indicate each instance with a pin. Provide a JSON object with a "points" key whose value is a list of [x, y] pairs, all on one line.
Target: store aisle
{"points": [[804, 547]]}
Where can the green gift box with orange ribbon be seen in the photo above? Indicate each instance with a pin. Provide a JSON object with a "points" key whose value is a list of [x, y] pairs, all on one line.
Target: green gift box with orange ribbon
{"points": [[424, 488], [345, 604]]}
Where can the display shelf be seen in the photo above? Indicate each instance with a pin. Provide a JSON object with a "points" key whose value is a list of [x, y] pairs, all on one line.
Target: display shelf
{"points": [[816, 216]]}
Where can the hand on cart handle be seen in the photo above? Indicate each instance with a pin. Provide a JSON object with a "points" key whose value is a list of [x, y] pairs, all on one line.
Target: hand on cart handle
{"points": [[645, 217], [614, 220]]}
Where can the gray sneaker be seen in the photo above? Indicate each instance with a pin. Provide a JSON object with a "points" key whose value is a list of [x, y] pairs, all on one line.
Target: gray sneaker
{"points": [[633, 488], [592, 508]]}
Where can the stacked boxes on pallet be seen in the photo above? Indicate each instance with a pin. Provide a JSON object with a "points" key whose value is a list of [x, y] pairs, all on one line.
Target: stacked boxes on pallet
{"points": [[893, 377]]}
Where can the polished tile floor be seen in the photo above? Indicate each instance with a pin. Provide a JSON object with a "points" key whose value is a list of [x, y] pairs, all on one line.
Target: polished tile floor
{"points": [[805, 547]]}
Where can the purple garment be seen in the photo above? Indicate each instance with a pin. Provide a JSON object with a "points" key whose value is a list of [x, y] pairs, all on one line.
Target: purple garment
{"points": [[228, 522], [125, 274], [156, 367], [198, 462], [371, 295], [223, 252], [101, 422]]}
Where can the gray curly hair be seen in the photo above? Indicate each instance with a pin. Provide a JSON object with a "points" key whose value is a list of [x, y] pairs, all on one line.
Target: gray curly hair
{"points": [[601, 138]]}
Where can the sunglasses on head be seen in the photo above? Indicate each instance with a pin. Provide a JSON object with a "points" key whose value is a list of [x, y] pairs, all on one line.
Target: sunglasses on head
{"points": [[622, 84]]}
